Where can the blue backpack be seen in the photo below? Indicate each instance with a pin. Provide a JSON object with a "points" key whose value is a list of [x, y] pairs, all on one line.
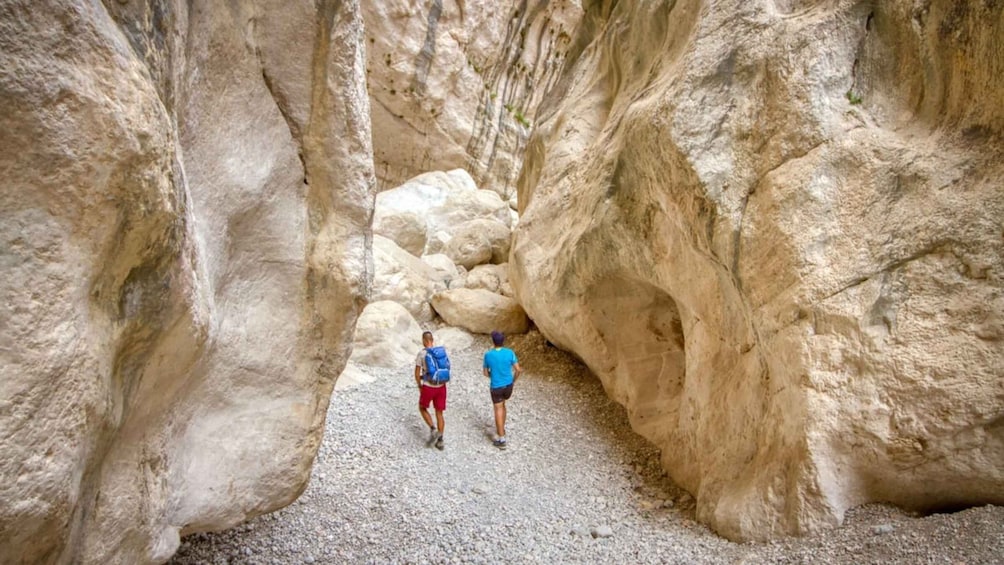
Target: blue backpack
{"points": [[437, 365]]}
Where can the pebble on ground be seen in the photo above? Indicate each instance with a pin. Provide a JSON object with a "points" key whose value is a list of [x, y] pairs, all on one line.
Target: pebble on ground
{"points": [[576, 485]]}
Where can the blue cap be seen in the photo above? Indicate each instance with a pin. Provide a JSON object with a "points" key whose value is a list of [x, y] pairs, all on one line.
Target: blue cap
{"points": [[498, 337]]}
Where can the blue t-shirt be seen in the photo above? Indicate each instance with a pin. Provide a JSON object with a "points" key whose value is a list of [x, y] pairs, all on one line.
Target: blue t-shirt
{"points": [[499, 362]]}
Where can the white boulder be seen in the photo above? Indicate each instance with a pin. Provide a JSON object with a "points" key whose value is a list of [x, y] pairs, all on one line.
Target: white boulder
{"points": [[403, 278], [407, 228], [488, 277], [480, 311], [455, 339], [444, 199], [448, 274], [469, 248], [387, 336]]}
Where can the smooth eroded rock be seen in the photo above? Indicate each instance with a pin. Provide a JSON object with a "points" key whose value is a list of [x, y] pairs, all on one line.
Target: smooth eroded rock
{"points": [[480, 311], [183, 219], [774, 231], [401, 277], [386, 336]]}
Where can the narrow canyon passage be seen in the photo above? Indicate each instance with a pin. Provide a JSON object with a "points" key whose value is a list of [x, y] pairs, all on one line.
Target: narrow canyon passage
{"points": [[379, 495]]}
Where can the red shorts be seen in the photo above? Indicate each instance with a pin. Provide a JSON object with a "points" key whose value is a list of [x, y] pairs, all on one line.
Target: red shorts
{"points": [[434, 394]]}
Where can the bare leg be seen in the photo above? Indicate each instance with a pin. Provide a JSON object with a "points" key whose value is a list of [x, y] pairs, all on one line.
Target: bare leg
{"points": [[440, 425], [500, 418], [428, 417]]}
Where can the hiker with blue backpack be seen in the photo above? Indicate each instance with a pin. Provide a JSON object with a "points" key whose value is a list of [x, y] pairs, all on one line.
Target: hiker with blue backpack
{"points": [[432, 372], [502, 368]]}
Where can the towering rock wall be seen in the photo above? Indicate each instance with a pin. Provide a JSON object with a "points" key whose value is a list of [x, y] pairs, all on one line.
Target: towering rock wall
{"points": [[187, 192], [775, 230], [455, 84]]}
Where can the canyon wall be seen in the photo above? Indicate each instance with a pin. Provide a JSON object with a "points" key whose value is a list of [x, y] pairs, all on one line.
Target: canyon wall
{"points": [[775, 230], [456, 83], [186, 201]]}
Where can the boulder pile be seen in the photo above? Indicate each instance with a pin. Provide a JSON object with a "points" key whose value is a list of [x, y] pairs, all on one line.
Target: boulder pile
{"points": [[440, 252]]}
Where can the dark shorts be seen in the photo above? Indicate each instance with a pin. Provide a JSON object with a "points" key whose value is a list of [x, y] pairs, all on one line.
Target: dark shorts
{"points": [[434, 394], [501, 394]]}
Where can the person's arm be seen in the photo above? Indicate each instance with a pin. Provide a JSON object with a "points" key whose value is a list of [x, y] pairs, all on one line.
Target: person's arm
{"points": [[516, 371], [418, 375]]}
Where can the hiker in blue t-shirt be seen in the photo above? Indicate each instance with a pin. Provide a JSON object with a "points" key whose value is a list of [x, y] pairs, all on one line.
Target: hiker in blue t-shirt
{"points": [[502, 367]]}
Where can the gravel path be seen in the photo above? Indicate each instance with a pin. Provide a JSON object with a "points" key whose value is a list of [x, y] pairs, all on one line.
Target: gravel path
{"points": [[575, 486]]}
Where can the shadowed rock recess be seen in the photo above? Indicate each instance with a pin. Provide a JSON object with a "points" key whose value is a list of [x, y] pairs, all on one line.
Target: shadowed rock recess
{"points": [[187, 189], [775, 231]]}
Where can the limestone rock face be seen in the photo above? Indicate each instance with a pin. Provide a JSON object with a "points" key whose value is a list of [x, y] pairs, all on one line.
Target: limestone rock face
{"points": [[456, 84], [386, 336], [183, 216], [480, 311], [774, 230]]}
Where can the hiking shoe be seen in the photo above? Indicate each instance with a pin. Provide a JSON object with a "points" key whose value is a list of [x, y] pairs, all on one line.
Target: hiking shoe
{"points": [[439, 443], [433, 435], [500, 443]]}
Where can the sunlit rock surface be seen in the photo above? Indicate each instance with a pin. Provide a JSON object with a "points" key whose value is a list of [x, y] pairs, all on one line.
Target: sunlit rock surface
{"points": [[775, 231], [187, 191]]}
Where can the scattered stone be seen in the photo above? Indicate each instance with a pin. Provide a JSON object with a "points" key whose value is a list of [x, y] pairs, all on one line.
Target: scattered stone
{"points": [[883, 529], [601, 532], [388, 499]]}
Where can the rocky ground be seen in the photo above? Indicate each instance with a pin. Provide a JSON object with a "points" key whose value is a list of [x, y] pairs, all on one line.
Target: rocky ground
{"points": [[574, 486]]}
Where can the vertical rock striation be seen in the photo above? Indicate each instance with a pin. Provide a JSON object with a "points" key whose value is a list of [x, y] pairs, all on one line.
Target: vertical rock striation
{"points": [[775, 230], [456, 84], [185, 209]]}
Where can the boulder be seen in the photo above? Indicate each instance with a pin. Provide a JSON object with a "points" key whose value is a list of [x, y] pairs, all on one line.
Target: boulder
{"points": [[469, 248], [437, 242], [480, 311], [477, 242], [403, 278], [386, 336], [488, 277], [407, 228], [176, 298], [506, 289], [499, 235], [455, 339], [447, 273], [444, 199], [767, 257]]}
